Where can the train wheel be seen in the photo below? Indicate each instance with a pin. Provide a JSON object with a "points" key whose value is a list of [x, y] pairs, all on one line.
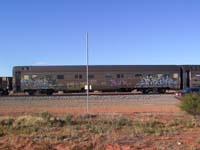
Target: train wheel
{"points": [[50, 92], [162, 91], [30, 93], [145, 91]]}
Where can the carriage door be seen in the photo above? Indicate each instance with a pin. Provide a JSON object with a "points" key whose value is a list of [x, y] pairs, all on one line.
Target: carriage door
{"points": [[18, 81], [188, 78]]}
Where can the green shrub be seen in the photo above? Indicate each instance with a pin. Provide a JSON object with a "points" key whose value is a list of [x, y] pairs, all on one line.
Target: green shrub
{"points": [[52, 121], [191, 104], [122, 122], [176, 122], [46, 115], [6, 122], [96, 129], [68, 118], [149, 127], [56, 122], [27, 121], [1, 132]]}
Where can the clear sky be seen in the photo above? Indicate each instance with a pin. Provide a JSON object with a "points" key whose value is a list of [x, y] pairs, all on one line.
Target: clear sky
{"points": [[121, 32]]}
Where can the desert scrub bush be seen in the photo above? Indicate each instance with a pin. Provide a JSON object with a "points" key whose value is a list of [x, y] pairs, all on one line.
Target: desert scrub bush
{"points": [[6, 122], [46, 115], [190, 103], [25, 125], [1, 132], [96, 129], [176, 122], [122, 122], [68, 119], [52, 121], [192, 124], [148, 127], [55, 122], [28, 121]]}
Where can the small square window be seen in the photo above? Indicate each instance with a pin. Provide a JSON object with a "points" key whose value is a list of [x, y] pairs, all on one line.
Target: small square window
{"points": [[60, 77], [80, 76], [26, 77], [34, 76], [108, 76], [76, 76], [91, 76], [138, 75], [175, 75], [25, 68], [4, 79]]}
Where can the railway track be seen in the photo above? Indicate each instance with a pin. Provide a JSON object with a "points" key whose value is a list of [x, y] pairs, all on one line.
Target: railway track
{"points": [[84, 94]]}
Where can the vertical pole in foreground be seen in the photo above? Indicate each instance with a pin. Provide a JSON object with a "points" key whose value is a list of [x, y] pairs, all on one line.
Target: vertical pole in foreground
{"points": [[87, 89]]}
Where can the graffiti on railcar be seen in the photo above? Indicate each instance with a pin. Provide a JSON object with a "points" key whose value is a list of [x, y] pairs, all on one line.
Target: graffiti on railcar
{"points": [[37, 82], [48, 82], [162, 80], [118, 82]]}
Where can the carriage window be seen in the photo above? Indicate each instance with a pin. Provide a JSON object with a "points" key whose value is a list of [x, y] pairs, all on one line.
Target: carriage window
{"points": [[25, 68], [108, 76], [138, 75], [91, 76], [120, 75], [76, 76], [4, 79], [34, 76], [26, 77], [197, 75], [60, 77], [175, 75]]}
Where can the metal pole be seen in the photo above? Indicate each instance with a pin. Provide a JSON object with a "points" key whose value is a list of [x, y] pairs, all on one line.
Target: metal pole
{"points": [[87, 90]]}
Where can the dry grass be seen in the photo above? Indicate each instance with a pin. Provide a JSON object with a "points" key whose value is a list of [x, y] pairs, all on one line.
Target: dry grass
{"points": [[90, 131], [138, 122]]}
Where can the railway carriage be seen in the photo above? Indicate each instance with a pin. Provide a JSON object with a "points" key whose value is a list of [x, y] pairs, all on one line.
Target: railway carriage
{"points": [[190, 76], [50, 79], [144, 78], [5, 85]]}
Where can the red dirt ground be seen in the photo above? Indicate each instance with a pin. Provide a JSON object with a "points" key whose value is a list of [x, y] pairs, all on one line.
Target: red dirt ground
{"points": [[162, 108]]}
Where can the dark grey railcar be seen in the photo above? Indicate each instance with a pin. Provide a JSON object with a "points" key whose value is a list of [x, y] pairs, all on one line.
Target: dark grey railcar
{"points": [[49, 79], [5, 85], [190, 75]]}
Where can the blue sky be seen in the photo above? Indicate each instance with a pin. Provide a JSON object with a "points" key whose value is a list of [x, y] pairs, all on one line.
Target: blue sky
{"points": [[121, 32]]}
